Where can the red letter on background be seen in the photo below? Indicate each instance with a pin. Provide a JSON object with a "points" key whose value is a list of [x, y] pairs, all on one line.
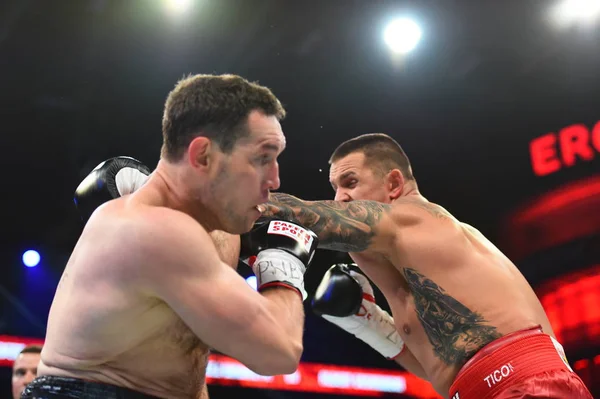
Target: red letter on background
{"points": [[574, 140], [543, 155], [596, 137]]}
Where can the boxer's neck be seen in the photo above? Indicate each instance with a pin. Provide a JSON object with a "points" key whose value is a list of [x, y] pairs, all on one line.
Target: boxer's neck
{"points": [[410, 189], [181, 191], [411, 192]]}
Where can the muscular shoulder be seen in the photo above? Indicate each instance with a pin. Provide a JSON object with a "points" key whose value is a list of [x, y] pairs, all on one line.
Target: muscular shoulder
{"points": [[415, 218], [420, 207], [162, 231], [422, 224], [155, 240]]}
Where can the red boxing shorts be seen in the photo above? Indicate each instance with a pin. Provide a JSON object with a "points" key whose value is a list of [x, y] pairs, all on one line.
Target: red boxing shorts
{"points": [[523, 364]]}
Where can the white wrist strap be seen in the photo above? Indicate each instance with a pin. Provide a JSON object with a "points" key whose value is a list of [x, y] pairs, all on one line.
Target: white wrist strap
{"points": [[274, 266], [373, 326]]}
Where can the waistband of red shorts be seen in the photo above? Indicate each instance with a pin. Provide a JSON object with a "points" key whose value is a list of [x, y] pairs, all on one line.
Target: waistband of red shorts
{"points": [[506, 361]]}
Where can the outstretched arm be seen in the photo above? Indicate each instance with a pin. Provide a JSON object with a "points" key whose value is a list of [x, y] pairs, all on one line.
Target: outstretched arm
{"points": [[341, 226]]}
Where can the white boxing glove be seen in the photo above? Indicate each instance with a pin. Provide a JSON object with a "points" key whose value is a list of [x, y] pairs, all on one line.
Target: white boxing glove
{"points": [[371, 324]]}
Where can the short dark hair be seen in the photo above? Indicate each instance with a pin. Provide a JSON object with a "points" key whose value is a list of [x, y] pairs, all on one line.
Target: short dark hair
{"points": [[381, 151], [31, 349], [214, 106]]}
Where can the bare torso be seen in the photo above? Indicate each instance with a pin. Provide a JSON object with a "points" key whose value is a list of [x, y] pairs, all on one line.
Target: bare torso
{"points": [[450, 291], [101, 330]]}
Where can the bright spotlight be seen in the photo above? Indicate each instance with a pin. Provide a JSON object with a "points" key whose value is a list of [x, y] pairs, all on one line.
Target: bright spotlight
{"points": [[570, 11], [178, 6], [402, 35], [251, 282], [31, 258]]}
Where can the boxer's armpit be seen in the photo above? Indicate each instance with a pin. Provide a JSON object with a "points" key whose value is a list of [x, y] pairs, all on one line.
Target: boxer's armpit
{"points": [[341, 226], [454, 331]]}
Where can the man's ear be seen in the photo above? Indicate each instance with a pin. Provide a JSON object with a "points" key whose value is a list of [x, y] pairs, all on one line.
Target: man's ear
{"points": [[395, 183], [199, 152]]}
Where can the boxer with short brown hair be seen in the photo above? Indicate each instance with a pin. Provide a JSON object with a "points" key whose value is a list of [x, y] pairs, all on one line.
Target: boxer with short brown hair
{"points": [[464, 317], [147, 291]]}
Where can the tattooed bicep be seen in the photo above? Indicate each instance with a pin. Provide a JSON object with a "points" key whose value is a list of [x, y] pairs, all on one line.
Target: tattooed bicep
{"points": [[341, 226], [369, 212], [348, 226]]}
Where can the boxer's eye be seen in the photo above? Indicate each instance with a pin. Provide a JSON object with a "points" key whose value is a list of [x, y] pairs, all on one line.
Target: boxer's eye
{"points": [[351, 183], [264, 159]]}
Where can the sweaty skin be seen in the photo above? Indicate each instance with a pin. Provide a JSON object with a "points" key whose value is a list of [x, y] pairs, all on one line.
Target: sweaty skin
{"points": [[451, 291], [160, 347]]}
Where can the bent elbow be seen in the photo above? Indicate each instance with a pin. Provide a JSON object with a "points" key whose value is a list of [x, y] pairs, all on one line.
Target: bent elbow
{"points": [[294, 357], [284, 362]]}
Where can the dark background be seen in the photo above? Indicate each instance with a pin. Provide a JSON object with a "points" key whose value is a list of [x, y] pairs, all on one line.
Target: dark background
{"points": [[82, 81]]}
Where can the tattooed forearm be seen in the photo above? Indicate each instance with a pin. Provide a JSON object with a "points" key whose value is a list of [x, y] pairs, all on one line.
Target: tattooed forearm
{"points": [[455, 331], [341, 226]]}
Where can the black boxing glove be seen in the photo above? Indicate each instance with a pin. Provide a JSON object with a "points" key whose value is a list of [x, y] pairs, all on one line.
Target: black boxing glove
{"points": [[345, 298], [111, 179], [339, 293], [252, 242], [279, 253]]}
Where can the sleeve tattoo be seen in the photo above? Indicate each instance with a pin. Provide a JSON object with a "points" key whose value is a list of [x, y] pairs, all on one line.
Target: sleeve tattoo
{"points": [[341, 226]]}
